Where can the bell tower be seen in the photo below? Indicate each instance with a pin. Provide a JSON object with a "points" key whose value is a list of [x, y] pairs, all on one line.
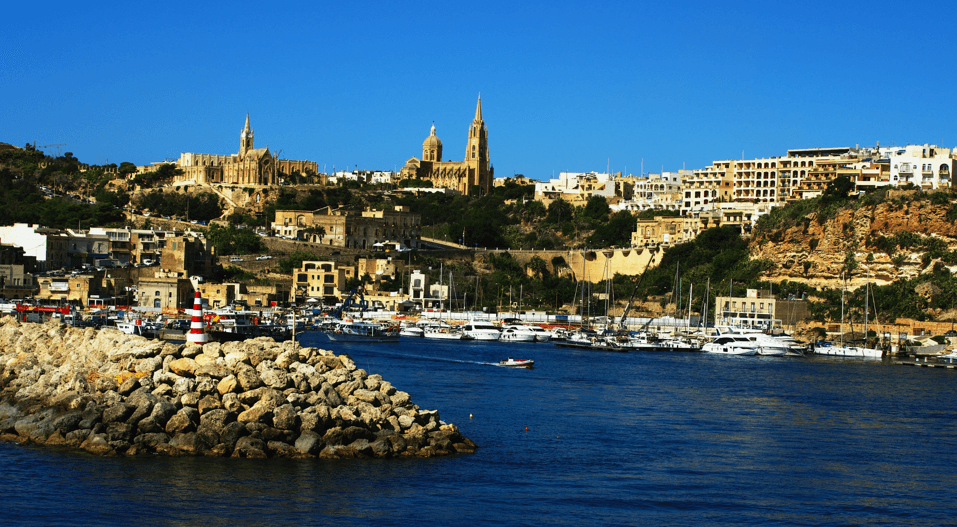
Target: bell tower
{"points": [[245, 139], [476, 153]]}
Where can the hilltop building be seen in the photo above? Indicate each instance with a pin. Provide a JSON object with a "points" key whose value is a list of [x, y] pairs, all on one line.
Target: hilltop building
{"points": [[345, 228], [249, 167], [577, 187], [926, 166], [655, 192], [475, 172]]}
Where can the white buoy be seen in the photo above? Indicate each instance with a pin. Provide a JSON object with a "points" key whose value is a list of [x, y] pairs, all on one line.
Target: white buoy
{"points": [[197, 329]]}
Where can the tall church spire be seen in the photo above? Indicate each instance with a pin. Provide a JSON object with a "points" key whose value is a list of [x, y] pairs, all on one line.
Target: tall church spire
{"points": [[478, 108], [246, 138]]}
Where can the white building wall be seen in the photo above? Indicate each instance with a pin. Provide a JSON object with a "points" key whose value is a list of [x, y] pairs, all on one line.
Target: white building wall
{"points": [[25, 235], [925, 166]]}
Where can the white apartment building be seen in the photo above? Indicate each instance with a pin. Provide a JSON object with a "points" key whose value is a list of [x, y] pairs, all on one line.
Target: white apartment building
{"points": [[926, 166], [49, 246], [656, 192], [572, 186], [707, 186]]}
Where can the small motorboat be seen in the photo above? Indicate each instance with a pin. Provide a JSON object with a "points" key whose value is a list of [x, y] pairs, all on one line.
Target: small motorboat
{"points": [[516, 363]]}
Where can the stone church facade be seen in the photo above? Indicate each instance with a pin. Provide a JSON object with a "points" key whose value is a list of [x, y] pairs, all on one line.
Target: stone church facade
{"points": [[474, 173], [249, 167]]}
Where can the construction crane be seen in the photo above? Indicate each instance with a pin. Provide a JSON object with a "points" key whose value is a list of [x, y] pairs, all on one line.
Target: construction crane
{"points": [[350, 302], [41, 147], [624, 313]]}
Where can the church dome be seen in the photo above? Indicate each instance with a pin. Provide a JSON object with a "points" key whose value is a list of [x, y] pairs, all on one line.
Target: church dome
{"points": [[432, 147], [432, 141]]}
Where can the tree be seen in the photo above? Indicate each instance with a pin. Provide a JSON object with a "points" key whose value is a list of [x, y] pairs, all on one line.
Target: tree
{"points": [[316, 230], [230, 240], [838, 189], [126, 168], [617, 231], [596, 208], [538, 266], [559, 211]]}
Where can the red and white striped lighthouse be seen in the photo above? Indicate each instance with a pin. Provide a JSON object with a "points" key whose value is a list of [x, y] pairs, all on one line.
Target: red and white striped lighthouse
{"points": [[197, 329]]}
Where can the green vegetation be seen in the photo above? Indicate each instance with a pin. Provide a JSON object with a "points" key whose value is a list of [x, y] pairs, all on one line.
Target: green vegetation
{"points": [[231, 240], [204, 206], [294, 261], [235, 274], [22, 200], [161, 176]]}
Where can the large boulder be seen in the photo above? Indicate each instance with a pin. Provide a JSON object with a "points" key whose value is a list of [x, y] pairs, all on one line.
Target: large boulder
{"points": [[190, 443], [256, 414], [249, 447], [228, 384], [309, 443], [183, 367], [346, 436], [248, 378], [184, 420], [285, 418]]}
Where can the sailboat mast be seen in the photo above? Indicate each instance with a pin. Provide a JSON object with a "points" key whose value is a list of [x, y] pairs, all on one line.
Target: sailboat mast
{"points": [[843, 289]]}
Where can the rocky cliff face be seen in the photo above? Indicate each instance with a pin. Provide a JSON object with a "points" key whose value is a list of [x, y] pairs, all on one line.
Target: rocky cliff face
{"points": [[815, 251], [112, 393]]}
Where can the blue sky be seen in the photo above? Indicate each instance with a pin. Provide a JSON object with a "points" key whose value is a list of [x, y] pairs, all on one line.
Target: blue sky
{"points": [[565, 85]]}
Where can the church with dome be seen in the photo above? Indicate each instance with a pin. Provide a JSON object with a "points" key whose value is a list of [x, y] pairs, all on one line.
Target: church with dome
{"points": [[471, 176]]}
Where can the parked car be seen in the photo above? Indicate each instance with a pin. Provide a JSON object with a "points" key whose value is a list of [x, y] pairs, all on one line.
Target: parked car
{"points": [[264, 257]]}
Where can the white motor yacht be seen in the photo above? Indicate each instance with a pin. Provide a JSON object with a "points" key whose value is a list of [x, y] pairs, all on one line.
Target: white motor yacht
{"points": [[521, 329], [482, 330], [731, 345], [511, 334], [541, 334], [407, 329], [444, 332]]}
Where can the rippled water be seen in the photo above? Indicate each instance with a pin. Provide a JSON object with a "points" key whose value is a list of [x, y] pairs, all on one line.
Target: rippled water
{"points": [[612, 439]]}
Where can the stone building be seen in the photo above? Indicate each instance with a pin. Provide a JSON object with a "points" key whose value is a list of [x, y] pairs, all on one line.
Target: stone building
{"points": [[345, 228], [249, 167], [667, 230], [474, 173], [187, 254], [169, 293], [94, 288], [759, 309], [15, 281], [321, 280]]}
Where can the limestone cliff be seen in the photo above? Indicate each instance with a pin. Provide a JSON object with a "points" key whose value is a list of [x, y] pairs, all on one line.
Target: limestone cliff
{"points": [[818, 246]]}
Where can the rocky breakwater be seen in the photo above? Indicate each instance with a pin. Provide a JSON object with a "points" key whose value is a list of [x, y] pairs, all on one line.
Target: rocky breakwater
{"points": [[111, 393]]}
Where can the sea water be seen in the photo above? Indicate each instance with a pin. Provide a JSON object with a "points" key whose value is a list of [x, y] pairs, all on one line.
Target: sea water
{"points": [[584, 438]]}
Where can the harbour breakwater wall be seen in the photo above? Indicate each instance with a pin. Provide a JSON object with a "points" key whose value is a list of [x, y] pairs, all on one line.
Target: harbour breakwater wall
{"points": [[107, 392]]}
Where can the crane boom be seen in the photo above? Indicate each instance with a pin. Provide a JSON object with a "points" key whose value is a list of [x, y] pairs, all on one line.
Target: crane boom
{"points": [[624, 313]]}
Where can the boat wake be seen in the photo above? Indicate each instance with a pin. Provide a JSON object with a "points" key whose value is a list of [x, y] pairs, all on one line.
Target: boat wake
{"points": [[436, 359]]}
